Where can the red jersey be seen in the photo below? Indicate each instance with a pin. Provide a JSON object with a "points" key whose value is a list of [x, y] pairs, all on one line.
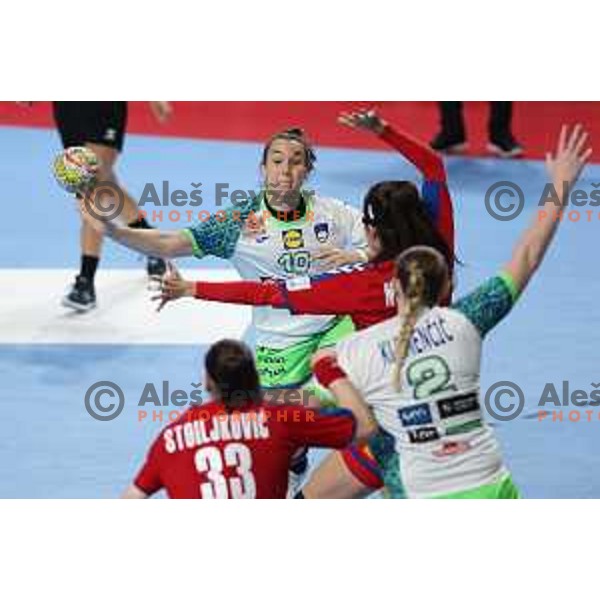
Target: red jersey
{"points": [[212, 453]]}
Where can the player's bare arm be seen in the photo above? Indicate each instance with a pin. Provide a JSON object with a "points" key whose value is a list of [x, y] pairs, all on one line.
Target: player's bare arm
{"points": [[564, 167], [151, 242]]}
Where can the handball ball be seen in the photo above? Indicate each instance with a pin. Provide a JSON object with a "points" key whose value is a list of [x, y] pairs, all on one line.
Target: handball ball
{"points": [[75, 169]]}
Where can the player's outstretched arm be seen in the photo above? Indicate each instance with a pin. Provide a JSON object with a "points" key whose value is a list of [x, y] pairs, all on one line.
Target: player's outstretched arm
{"points": [[330, 375], [428, 161], [564, 168], [303, 295], [435, 188], [152, 242], [253, 293]]}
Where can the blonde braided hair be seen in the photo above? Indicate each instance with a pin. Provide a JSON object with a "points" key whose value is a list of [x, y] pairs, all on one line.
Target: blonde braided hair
{"points": [[413, 295]]}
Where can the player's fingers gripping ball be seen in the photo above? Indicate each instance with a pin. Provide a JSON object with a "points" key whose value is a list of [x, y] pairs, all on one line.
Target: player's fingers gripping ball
{"points": [[75, 169]]}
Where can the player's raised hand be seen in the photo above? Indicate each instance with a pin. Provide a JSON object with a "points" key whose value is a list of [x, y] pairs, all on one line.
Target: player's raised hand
{"points": [[368, 120], [173, 286], [162, 111], [572, 153]]}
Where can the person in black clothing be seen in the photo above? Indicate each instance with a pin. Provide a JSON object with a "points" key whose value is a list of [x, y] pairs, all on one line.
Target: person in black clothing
{"points": [[452, 138], [101, 127]]}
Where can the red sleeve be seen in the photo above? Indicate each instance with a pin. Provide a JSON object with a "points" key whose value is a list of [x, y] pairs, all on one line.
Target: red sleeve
{"points": [[435, 188], [324, 294], [148, 479], [265, 293], [335, 293], [325, 427], [428, 161]]}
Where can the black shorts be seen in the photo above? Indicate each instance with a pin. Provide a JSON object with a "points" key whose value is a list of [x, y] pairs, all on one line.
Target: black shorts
{"points": [[96, 122]]}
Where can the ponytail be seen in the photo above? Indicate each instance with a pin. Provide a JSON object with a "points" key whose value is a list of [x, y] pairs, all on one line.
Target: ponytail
{"points": [[413, 302]]}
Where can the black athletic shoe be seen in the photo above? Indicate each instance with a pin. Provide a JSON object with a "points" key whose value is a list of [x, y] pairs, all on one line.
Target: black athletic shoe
{"points": [[156, 267], [82, 296], [448, 144], [505, 147]]}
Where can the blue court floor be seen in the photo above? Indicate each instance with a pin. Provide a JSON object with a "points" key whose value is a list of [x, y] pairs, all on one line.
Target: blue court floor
{"points": [[51, 448]]}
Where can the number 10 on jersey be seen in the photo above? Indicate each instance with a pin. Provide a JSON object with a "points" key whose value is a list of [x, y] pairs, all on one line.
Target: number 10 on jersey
{"points": [[295, 263]]}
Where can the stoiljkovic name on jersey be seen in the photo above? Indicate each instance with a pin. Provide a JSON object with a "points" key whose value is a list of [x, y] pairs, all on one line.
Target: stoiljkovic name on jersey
{"points": [[216, 428], [209, 428]]}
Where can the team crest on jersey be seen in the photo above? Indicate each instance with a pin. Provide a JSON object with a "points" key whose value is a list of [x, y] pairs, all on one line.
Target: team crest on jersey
{"points": [[292, 239], [322, 232]]}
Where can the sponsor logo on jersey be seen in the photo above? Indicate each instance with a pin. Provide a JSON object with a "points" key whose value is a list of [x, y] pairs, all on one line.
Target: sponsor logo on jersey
{"points": [[418, 414], [423, 435], [451, 449], [464, 427], [322, 232], [459, 405], [292, 239]]}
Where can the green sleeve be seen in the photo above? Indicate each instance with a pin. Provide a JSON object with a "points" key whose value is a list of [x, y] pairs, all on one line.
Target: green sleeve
{"points": [[487, 305], [219, 234]]}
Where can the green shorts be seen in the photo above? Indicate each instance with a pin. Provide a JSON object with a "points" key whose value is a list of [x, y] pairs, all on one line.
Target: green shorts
{"points": [[290, 367], [503, 489]]}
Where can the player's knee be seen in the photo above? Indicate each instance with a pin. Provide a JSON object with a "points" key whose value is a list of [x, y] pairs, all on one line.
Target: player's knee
{"points": [[107, 158]]}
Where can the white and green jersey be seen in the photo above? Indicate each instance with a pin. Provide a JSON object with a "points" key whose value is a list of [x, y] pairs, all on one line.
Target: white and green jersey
{"points": [[442, 444], [283, 250]]}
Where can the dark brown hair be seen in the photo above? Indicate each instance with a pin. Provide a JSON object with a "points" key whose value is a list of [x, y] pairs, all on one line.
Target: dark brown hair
{"points": [[399, 215], [230, 364]]}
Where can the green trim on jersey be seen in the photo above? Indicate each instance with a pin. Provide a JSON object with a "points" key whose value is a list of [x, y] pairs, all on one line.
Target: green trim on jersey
{"points": [[503, 489], [219, 236], [290, 366], [510, 283], [309, 200], [196, 250]]}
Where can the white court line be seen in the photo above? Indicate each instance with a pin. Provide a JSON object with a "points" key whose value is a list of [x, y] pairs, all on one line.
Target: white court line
{"points": [[31, 310]]}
